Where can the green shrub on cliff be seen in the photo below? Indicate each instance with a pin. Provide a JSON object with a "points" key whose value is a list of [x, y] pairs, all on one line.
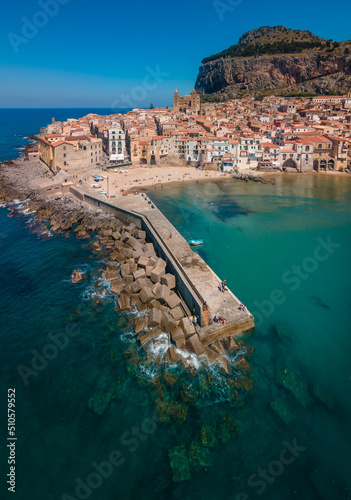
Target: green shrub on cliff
{"points": [[281, 47]]}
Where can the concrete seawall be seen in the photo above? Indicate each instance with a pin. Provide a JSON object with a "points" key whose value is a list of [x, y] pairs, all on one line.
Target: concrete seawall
{"points": [[196, 281]]}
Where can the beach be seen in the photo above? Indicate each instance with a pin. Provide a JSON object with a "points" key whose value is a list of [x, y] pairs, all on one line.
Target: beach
{"points": [[116, 181]]}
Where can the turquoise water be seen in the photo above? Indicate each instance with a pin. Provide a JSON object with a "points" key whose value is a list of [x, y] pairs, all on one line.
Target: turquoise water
{"points": [[254, 234]]}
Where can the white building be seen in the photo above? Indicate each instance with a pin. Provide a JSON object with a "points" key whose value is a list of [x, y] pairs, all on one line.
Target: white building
{"points": [[116, 141]]}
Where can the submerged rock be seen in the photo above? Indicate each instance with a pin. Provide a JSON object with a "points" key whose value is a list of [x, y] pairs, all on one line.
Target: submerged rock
{"points": [[282, 410], [227, 429], [284, 332], [179, 462], [235, 399], [289, 381], [207, 436], [100, 400], [323, 396], [244, 366], [242, 383], [199, 456]]}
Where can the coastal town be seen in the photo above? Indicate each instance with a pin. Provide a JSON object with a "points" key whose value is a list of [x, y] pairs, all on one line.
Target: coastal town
{"points": [[310, 134]]}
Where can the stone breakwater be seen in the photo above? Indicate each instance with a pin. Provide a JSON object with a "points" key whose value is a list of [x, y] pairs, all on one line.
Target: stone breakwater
{"points": [[139, 277], [140, 280]]}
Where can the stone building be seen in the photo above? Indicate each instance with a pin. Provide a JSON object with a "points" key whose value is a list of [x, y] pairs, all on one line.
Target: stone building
{"points": [[70, 152], [187, 103]]}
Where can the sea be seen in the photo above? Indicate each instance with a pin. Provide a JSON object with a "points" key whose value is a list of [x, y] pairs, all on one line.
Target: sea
{"points": [[93, 418]]}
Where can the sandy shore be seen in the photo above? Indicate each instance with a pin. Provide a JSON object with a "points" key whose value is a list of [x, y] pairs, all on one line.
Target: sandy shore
{"points": [[140, 178], [115, 181]]}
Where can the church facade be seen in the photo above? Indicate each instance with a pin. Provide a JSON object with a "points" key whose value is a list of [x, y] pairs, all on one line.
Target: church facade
{"points": [[187, 102]]}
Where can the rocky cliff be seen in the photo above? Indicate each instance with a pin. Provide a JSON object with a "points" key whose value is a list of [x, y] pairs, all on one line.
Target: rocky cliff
{"points": [[314, 65]]}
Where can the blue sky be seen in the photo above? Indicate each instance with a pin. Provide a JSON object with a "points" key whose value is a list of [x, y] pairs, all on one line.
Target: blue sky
{"points": [[122, 54]]}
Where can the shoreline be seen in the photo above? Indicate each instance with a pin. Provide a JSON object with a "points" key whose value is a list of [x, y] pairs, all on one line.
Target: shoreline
{"points": [[137, 273], [135, 180]]}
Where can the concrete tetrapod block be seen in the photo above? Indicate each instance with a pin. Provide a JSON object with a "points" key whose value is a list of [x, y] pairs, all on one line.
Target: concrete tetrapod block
{"points": [[148, 271], [177, 313], [141, 235], [139, 284], [218, 347], [116, 235], [161, 292], [128, 280], [187, 327], [178, 334], [140, 323], [224, 365], [168, 323], [194, 345], [125, 236], [155, 303], [168, 280], [127, 252], [173, 300], [131, 241], [127, 290], [138, 247], [140, 273], [119, 244], [113, 256], [132, 264], [146, 295], [155, 317], [146, 337], [112, 272], [180, 343], [106, 233], [212, 355], [123, 303], [153, 260], [161, 263], [149, 250], [135, 301], [143, 261], [120, 258], [233, 346], [172, 355], [131, 228], [137, 253], [116, 286], [125, 269], [156, 274]]}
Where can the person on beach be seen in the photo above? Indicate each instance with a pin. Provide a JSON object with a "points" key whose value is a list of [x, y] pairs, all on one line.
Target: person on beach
{"points": [[170, 235]]}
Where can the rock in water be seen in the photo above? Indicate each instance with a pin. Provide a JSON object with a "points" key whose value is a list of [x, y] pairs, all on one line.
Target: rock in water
{"points": [[282, 410], [284, 333], [199, 456], [77, 277], [179, 463]]}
